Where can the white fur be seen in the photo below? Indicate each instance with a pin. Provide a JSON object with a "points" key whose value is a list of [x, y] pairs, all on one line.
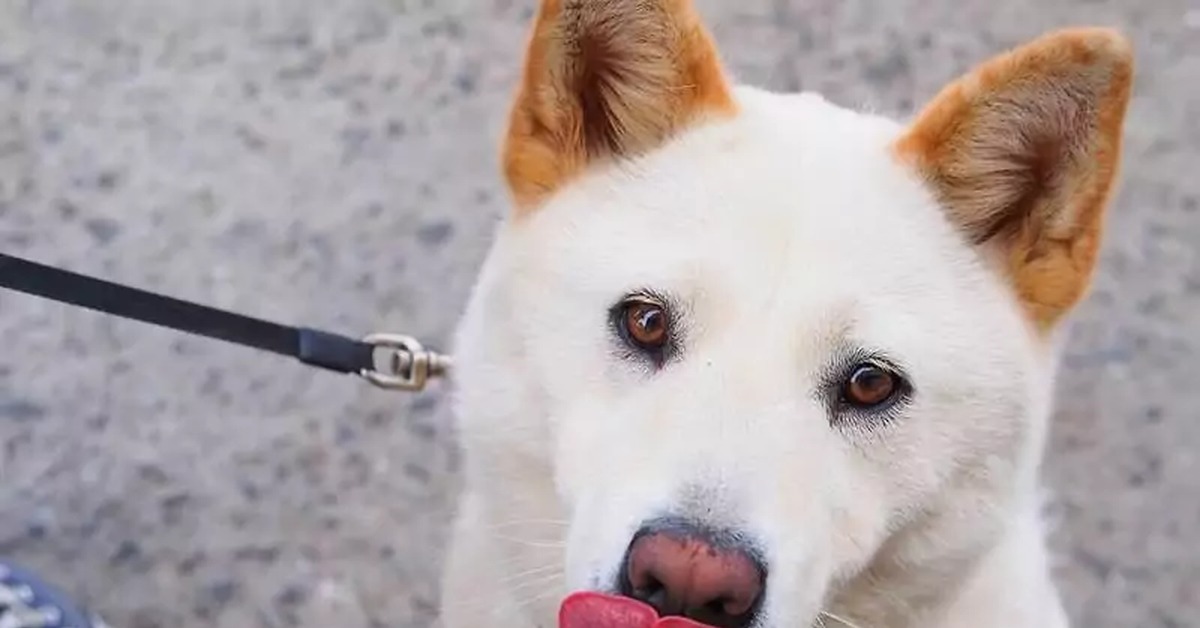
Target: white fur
{"points": [[788, 233]]}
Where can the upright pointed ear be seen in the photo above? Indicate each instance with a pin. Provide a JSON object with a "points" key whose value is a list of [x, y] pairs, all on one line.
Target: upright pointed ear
{"points": [[1023, 153], [607, 79]]}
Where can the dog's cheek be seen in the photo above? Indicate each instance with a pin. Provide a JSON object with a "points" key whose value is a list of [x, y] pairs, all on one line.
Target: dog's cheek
{"points": [[862, 503], [860, 523], [802, 570], [581, 442], [596, 544]]}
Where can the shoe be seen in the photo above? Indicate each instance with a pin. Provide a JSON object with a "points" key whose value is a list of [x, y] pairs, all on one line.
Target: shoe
{"points": [[26, 601]]}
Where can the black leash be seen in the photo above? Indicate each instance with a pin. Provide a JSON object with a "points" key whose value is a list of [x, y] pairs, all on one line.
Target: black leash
{"points": [[409, 368]]}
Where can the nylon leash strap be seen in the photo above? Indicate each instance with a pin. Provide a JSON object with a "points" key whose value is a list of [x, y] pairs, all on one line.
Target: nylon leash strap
{"points": [[409, 366]]}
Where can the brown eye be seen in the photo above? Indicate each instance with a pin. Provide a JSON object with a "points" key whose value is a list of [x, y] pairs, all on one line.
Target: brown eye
{"points": [[644, 325], [870, 386]]}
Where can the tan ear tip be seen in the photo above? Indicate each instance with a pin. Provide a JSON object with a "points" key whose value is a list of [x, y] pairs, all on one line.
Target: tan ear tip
{"points": [[1103, 43], [1111, 42]]}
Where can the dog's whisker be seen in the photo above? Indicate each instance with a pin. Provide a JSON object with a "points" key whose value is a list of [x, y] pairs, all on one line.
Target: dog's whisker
{"points": [[532, 583], [522, 603], [529, 522], [551, 583], [528, 573], [538, 598], [540, 540], [839, 619], [530, 542], [509, 562]]}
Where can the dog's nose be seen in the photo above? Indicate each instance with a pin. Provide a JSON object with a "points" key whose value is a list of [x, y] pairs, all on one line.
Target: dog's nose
{"points": [[682, 570]]}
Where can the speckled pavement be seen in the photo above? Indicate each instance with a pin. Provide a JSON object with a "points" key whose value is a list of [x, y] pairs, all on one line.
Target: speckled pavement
{"points": [[332, 163]]}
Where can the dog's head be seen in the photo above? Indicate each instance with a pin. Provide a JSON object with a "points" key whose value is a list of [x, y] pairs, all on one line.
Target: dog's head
{"points": [[767, 349]]}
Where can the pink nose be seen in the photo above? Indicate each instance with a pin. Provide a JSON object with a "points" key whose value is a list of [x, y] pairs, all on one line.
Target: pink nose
{"points": [[680, 572]]}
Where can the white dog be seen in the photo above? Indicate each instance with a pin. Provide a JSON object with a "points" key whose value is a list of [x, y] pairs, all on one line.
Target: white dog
{"points": [[765, 362]]}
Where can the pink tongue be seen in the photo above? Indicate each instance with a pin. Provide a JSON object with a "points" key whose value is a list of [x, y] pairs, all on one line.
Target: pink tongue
{"points": [[597, 610]]}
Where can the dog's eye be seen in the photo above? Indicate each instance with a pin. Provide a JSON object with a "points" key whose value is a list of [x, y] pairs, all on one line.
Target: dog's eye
{"points": [[871, 386], [644, 324]]}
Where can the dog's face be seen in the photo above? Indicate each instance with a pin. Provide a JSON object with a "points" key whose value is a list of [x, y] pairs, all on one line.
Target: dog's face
{"points": [[767, 347]]}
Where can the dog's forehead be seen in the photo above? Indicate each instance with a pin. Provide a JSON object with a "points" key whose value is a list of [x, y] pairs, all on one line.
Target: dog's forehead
{"points": [[792, 189]]}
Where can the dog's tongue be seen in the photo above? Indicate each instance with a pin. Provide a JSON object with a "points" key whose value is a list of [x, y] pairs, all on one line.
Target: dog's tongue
{"points": [[597, 610]]}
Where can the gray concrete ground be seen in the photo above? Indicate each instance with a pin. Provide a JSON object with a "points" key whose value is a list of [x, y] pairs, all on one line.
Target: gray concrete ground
{"points": [[332, 162]]}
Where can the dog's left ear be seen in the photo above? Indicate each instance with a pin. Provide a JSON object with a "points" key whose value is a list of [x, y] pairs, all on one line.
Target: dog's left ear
{"points": [[604, 80], [1023, 153]]}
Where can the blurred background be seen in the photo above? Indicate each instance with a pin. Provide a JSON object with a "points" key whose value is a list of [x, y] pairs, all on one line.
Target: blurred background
{"points": [[333, 163]]}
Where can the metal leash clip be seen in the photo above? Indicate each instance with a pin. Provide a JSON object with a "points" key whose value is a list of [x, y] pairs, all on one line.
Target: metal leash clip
{"points": [[410, 366]]}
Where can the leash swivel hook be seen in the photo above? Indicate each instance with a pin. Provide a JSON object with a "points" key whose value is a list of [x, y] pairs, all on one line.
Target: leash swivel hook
{"points": [[410, 365]]}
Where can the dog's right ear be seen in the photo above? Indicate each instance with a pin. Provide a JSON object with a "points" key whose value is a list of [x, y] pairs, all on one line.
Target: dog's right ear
{"points": [[1023, 152], [606, 79]]}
